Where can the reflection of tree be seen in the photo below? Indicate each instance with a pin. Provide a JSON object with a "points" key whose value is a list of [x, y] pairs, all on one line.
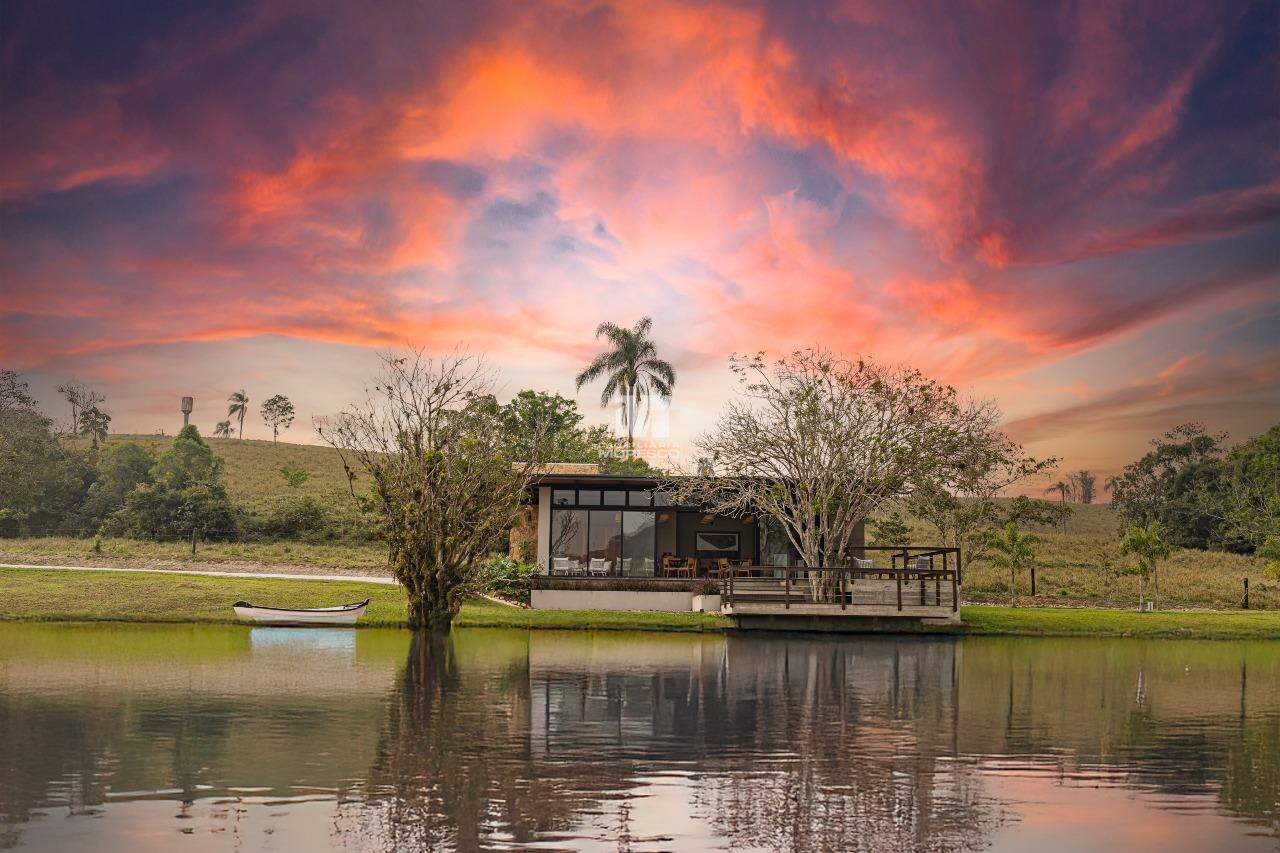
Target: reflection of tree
{"points": [[453, 767], [568, 525], [1186, 718]]}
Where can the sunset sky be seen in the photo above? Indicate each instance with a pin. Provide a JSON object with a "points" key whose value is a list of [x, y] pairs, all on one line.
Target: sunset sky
{"points": [[1072, 208]]}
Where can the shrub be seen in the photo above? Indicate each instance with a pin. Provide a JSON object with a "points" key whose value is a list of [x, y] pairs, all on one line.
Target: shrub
{"points": [[507, 578], [296, 517], [706, 586]]}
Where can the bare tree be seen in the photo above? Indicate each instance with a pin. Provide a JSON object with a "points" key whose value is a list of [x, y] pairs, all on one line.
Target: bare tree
{"points": [[1086, 486], [444, 481], [81, 397], [817, 443]]}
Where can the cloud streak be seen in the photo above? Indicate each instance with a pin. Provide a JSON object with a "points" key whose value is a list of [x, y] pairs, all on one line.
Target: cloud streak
{"points": [[984, 192]]}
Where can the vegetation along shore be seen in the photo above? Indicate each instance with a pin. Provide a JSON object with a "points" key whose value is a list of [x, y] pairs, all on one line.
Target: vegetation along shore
{"points": [[80, 596]]}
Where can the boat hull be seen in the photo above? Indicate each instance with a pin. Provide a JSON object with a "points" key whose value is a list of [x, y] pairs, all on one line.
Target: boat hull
{"points": [[272, 616]]}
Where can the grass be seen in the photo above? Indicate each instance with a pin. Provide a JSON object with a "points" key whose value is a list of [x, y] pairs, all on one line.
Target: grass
{"points": [[330, 558], [1164, 624], [1069, 571], [70, 596]]}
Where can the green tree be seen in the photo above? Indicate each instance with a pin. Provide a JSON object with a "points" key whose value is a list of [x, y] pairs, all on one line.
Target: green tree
{"points": [[42, 480], [94, 423], [536, 416], [121, 469], [1178, 483], [223, 429], [239, 408], [294, 475], [631, 369], [1023, 510], [277, 413], [1013, 551], [1148, 546], [891, 530], [185, 496], [1249, 508], [1270, 551]]}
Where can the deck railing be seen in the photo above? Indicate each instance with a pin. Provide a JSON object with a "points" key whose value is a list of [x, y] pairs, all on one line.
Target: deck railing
{"points": [[915, 581]]}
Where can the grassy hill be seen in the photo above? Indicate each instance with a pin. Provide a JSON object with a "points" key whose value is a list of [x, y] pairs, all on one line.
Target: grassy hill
{"points": [[252, 470]]}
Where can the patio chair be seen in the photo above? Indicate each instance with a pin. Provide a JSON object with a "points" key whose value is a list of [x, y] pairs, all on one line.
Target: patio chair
{"points": [[562, 566], [599, 566], [923, 564]]}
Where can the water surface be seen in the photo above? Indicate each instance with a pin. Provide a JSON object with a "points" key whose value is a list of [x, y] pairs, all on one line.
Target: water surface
{"points": [[127, 738]]}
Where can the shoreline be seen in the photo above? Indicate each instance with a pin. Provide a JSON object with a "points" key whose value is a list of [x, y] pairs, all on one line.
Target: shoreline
{"points": [[167, 596]]}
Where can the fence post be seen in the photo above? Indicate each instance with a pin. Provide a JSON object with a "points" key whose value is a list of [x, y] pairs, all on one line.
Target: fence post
{"points": [[1033, 580], [841, 580], [1246, 593], [898, 577]]}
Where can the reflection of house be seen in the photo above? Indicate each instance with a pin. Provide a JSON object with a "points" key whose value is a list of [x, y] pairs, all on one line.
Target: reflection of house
{"points": [[605, 542]]}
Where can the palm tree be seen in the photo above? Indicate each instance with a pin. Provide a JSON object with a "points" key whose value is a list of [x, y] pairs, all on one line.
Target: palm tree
{"points": [[239, 407], [1013, 551], [1063, 488], [632, 368], [223, 429], [1148, 546]]}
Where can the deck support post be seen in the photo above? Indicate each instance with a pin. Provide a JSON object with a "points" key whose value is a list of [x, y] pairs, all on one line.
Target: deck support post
{"points": [[786, 589], [898, 577]]}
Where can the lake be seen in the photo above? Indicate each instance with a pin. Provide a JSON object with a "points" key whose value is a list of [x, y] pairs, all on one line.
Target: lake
{"points": [[132, 737]]}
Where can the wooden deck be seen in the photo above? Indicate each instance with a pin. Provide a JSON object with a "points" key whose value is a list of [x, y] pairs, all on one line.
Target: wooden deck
{"points": [[911, 589]]}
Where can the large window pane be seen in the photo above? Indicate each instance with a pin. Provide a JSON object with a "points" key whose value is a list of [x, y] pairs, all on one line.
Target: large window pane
{"points": [[568, 541], [604, 541], [637, 544]]}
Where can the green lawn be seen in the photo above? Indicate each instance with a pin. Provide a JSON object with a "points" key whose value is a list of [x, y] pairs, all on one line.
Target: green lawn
{"points": [[48, 595], [322, 558], [1067, 622]]}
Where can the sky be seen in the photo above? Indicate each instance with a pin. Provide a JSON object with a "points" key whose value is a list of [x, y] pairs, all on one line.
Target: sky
{"points": [[1071, 208]]}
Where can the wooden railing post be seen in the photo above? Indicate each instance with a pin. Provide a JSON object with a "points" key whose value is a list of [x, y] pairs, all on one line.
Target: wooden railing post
{"points": [[786, 589], [898, 577], [843, 603]]}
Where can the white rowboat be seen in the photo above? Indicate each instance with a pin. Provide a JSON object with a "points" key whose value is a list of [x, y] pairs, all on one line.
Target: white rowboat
{"points": [[345, 614]]}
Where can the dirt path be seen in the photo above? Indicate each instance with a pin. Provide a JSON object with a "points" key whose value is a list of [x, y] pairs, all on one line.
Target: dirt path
{"points": [[260, 572], [219, 567]]}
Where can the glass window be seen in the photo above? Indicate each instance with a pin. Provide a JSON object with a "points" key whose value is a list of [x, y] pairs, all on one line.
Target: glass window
{"points": [[662, 499], [590, 497], [637, 544], [640, 498], [612, 498], [568, 542], [563, 497], [604, 541]]}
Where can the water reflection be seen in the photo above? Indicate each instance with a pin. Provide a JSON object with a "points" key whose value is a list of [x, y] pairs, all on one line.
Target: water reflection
{"points": [[379, 740]]}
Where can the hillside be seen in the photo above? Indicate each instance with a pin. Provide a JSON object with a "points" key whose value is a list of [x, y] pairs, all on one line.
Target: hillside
{"points": [[252, 470]]}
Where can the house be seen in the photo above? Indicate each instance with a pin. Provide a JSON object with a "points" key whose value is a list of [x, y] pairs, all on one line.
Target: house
{"points": [[607, 542]]}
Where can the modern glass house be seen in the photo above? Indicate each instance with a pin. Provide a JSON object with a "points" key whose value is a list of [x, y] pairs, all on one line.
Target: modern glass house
{"points": [[607, 542]]}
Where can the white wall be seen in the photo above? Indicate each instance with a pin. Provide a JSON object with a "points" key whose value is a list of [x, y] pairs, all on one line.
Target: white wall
{"points": [[605, 599]]}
